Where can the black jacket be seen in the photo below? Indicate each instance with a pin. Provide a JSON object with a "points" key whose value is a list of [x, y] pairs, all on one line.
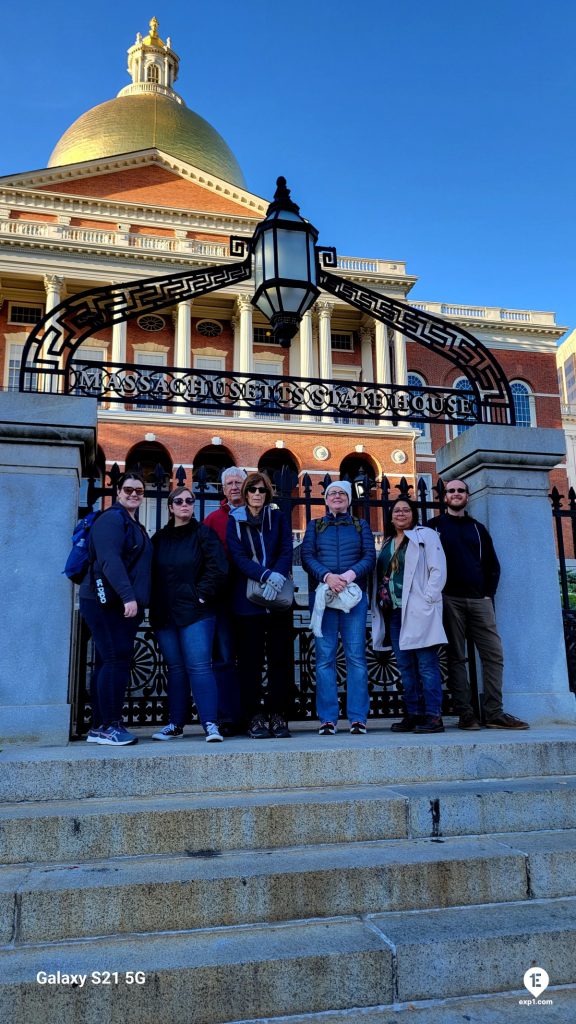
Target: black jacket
{"points": [[473, 568], [189, 563], [120, 554]]}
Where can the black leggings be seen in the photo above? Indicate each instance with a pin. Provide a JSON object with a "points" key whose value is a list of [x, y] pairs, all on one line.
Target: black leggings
{"points": [[256, 636], [113, 637]]}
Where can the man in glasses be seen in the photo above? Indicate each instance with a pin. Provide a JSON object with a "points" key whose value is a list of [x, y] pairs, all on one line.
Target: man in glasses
{"points": [[224, 648], [468, 598]]}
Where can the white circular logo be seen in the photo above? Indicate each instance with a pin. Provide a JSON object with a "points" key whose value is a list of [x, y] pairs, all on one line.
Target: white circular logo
{"points": [[536, 980], [321, 453], [399, 457]]}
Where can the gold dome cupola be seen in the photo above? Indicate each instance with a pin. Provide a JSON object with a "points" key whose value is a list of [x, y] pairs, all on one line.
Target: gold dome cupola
{"points": [[152, 66]]}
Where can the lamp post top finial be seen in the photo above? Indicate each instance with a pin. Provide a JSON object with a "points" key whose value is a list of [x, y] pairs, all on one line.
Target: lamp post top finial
{"points": [[282, 199]]}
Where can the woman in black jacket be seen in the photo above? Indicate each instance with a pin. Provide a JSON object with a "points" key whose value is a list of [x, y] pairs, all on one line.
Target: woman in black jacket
{"points": [[189, 567], [113, 596]]}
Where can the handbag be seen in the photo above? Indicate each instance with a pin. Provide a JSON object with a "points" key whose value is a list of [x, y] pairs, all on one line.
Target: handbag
{"points": [[254, 589], [383, 596]]}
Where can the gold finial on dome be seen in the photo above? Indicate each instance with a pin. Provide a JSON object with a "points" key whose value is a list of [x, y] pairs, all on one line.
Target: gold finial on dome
{"points": [[153, 39]]}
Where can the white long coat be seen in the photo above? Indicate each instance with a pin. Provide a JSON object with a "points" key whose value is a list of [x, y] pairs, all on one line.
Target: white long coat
{"points": [[424, 579]]}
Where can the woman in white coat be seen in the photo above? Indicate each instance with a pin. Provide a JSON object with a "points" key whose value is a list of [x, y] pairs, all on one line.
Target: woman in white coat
{"points": [[410, 575]]}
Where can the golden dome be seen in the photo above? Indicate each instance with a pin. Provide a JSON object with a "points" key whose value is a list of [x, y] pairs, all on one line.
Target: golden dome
{"points": [[147, 121]]}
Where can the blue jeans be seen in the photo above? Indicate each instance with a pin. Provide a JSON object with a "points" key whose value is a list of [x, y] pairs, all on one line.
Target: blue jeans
{"points": [[420, 672], [187, 651], [352, 628]]}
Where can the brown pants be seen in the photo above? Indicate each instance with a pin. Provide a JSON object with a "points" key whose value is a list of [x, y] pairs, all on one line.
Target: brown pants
{"points": [[475, 617]]}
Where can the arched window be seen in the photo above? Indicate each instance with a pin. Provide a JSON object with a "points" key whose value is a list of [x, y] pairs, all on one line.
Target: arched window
{"points": [[153, 73], [462, 384], [274, 461], [145, 458], [416, 380], [524, 404], [213, 458]]}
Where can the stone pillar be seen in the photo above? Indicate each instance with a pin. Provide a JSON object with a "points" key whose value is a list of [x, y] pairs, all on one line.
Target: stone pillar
{"points": [[506, 469], [236, 345], [245, 348], [119, 342], [182, 347], [45, 441], [366, 349], [325, 339], [306, 368], [382, 352], [400, 362], [54, 284]]}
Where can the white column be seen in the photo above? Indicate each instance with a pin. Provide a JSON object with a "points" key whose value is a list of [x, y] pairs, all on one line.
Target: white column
{"points": [[119, 342], [325, 341], [54, 285], [366, 354], [382, 351], [236, 348], [401, 365], [306, 352], [182, 347], [245, 351]]}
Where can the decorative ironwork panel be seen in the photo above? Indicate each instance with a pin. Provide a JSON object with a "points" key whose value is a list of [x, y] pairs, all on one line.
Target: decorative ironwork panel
{"points": [[261, 393], [477, 363], [56, 337]]}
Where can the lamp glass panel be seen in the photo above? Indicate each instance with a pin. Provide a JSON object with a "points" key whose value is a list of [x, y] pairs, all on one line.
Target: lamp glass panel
{"points": [[269, 268], [312, 256], [292, 298], [265, 306], [258, 269], [292, 260]]}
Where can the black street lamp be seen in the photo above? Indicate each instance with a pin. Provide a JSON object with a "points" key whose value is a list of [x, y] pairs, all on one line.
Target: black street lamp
{"points": [[284, 265]]}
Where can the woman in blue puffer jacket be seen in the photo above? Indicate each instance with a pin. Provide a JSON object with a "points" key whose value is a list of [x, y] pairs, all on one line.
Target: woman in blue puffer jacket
{"points": [[337, 550]]}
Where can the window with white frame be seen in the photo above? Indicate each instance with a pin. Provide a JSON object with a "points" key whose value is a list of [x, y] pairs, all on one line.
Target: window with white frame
{"points": [[423, 443], [524, 404], [345, 373], [462, 384], [264, 336], [266, 366], [342, 342], [208, 363], [147, 402], [93, 353], [13, 361], [25, 313]]}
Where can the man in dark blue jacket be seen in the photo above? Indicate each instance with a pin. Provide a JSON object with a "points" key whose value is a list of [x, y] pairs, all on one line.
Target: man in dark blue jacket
{"points": [[337, 550], [468, 599]]}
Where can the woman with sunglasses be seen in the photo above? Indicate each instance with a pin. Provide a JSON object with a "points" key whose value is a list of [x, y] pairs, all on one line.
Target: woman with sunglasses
{"points": [[259, 541], [410, 574], [189, 569], [113, 596]]}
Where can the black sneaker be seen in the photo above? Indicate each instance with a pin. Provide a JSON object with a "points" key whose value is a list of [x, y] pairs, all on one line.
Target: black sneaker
{"points": [[169, 732], [258, 728], [408, 724], [327, 729], [279, 728], [358, 728], [432, 723], [469, 722]]}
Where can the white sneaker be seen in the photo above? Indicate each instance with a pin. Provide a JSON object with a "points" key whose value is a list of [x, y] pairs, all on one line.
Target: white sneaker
{"points": [[169, 732], [213, 733]]}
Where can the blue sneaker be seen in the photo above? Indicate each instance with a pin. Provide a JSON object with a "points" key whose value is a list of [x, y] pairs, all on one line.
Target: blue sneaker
{"points": [[93, 735], [116, 736]]}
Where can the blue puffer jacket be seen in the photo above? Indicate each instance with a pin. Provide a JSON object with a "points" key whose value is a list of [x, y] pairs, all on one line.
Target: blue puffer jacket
{"points": [[336, 544]]}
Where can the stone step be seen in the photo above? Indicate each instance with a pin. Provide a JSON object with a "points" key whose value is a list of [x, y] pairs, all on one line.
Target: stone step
{"points": [[138, 826], [505, 1008], [146, 894], [250, 973], [308, 760]]}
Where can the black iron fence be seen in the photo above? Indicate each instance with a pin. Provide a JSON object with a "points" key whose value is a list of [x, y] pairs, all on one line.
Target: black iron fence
{"points": [[146, 700], [564, 516]]}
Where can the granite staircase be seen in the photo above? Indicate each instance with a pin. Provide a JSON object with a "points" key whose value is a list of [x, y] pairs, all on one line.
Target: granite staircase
{"points": [[376, 879]]}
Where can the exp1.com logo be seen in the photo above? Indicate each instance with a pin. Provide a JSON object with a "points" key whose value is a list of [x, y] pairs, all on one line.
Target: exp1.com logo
{"points": [[536, 980]]}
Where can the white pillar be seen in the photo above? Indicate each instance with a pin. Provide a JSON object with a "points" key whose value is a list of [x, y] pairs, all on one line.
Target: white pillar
{"points": [[54, 285], [325, 341], [401, 364], [382, 351], [182, 347], [306, 352], [366, 354], [245, 350], [119, 342]]}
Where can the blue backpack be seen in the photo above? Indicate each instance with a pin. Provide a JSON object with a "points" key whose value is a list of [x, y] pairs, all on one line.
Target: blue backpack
{"points": [[78, 560]]}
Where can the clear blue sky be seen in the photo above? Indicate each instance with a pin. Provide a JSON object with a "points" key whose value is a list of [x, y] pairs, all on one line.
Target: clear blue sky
{"points": [[441, 133]]}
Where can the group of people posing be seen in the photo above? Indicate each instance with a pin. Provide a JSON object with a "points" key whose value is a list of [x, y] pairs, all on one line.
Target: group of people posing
{"points": [[428, 586]]}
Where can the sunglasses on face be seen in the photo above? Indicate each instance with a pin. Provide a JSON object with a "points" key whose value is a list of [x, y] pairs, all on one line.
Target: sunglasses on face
{"points": [[256, 490], [183, 501], [138, 491], [456, 490]]}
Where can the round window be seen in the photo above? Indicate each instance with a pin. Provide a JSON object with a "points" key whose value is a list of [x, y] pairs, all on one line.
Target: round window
{"points": [[151, 322], [209, 328]]}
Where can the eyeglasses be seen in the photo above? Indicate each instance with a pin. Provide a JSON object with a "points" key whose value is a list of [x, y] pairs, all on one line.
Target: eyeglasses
{"points": [[256, 490], [456, 490], [138, 491], [337, 494], [183, 501]]}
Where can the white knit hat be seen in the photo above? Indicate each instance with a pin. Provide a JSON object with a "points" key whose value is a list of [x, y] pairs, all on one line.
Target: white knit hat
{"points": [[342, 485]]}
